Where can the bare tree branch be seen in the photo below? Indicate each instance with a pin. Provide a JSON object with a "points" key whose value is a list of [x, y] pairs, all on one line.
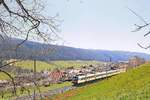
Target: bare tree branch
{"points": [[143, 46], [8, 64], [140, 27], [141, 18], [24, 19], [12, 80]]}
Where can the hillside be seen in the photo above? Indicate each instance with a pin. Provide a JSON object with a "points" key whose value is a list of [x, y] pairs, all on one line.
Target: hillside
{"points": [[33, 50], [132, 85]]}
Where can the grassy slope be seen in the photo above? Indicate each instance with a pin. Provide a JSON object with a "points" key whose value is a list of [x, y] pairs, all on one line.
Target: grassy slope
{"points": [[132, 85], [54, 64], [3, 76]]}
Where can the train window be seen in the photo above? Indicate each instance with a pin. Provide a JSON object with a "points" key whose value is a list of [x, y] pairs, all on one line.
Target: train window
{"points": [[85, 78], [75, 78], [101, 74]]}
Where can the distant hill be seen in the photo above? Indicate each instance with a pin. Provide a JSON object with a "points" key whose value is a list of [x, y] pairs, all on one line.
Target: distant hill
{"points": [[33, 50]]}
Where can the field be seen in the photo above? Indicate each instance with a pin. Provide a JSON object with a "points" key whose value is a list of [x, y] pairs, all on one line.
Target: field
{"points": [[41, 65], [132, 85]]}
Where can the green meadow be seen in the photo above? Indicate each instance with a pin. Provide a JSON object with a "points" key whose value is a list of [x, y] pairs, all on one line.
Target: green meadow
{"points": [[132, 85], [3, 76], [41, 65]]}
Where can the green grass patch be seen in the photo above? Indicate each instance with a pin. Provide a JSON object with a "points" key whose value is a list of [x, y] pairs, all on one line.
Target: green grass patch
{"points": [[132, 85], [41, 65], [4, 76], [29, 64]]}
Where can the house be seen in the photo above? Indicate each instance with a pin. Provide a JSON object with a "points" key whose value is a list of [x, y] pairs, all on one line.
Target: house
{"points": [[55, 76]]}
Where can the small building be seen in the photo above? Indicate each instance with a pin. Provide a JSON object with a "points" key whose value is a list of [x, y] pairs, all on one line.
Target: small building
{"points": [[136, 61], [123, 64], [55, 76]]}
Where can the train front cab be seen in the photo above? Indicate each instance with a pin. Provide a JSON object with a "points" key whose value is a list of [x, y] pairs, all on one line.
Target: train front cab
{"points": [[75, 80]]}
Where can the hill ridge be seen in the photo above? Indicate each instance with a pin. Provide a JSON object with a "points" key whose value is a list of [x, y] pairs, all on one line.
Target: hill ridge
{"points": [[33, 50]]}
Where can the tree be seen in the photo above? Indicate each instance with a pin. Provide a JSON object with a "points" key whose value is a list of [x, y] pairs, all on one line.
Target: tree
{"points": [[25, 19], [140, 27]]}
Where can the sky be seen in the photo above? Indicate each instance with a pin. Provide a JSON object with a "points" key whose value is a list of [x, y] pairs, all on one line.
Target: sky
{"points": [[101, 24]]}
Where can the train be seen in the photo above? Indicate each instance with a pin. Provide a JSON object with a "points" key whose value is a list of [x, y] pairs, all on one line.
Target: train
{"points": [[83, 78]]}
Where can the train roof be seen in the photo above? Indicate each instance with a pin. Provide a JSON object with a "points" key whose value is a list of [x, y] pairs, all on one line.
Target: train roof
{"points": [[93, 74]]}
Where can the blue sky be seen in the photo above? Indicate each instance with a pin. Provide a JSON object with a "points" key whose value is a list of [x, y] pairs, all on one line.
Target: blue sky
{"points": [[101, 24]]}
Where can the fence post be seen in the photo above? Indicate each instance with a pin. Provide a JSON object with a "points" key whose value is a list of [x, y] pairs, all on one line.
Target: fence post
{"points": [[34, 79]]}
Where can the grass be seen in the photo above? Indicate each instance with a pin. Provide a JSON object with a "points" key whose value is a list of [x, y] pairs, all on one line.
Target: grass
{"points": [[41, 65], [3, 76], [132, 85], [28, 64]]}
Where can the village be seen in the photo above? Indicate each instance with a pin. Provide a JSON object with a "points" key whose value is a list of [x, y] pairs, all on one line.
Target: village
{"points": [[29, 78], [58, 76]]}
